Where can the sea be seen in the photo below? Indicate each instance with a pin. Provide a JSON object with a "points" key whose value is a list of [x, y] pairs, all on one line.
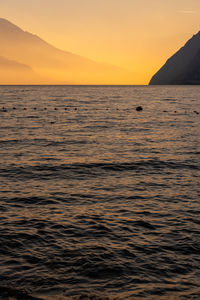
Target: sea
{"points": [[97, 199]]}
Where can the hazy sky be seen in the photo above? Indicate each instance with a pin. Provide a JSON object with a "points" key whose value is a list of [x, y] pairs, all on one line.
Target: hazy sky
{"points": [[135, 34]]}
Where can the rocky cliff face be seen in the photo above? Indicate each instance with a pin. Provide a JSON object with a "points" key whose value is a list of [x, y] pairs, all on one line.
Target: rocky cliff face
{"points": [[183, 67]]}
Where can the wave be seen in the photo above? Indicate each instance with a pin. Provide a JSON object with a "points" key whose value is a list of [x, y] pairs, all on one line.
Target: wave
{"points": [[7, 293], [49, 171]]}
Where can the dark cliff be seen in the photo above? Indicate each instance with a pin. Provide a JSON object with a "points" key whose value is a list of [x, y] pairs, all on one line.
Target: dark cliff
{"points": [[183, 67]]}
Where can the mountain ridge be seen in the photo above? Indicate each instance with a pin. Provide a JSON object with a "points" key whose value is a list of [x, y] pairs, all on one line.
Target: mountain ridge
{"points": [[7, 63], [182, 67], [52, 63]]}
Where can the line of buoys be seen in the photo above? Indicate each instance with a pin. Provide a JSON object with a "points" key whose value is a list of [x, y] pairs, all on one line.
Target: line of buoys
{"points": [[138, 108], [34, 108]]}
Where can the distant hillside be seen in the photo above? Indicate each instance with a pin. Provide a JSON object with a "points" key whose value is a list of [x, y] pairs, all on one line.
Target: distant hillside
{"points": [[12, 72], [11, 64], [183, 67], [50, 63]]}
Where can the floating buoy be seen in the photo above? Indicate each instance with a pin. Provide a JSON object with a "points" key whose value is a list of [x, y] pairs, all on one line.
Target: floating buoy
{"points": [[139, 108]]}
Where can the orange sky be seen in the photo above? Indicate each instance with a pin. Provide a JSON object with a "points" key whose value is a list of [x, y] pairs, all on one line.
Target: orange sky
{"points": [[138, 35]]}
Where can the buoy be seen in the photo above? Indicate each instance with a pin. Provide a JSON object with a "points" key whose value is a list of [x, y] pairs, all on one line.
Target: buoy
{"points": [[139, 108]]}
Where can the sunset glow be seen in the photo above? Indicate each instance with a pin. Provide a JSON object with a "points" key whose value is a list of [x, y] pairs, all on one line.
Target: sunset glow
{"points": [[135, 35]]}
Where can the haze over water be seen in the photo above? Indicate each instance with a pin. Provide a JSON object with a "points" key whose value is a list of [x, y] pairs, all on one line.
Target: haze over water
{"points": [[99, 199]]}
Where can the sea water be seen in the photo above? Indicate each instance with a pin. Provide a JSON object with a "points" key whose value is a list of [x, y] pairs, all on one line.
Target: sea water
{"points": [[97, 198]]}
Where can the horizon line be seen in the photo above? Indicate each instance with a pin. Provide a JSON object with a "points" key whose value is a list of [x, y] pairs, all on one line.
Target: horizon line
{"points": [[73, 84]]}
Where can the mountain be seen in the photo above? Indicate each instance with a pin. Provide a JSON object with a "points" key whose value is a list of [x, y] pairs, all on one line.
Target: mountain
{"points": [[183, 67], [50, 64], [12, 72], [11, 64]]}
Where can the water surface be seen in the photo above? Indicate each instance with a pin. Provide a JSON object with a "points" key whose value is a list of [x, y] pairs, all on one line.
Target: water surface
{"points": [[97, 198]]}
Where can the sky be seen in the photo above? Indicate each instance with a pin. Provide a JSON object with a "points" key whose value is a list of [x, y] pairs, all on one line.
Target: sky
{"points": [[138, 35]]}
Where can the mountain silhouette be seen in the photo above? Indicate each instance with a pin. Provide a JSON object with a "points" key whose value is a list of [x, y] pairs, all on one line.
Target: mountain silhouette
{"points": [[12, 72], [183, 67], [51, 64], [11, 64]]}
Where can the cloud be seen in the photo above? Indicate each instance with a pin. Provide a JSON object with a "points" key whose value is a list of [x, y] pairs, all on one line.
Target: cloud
{"points": [[187, 12]]}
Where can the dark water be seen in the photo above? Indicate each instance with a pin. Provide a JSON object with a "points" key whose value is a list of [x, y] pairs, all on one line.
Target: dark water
{"points": [[97, 198]]}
